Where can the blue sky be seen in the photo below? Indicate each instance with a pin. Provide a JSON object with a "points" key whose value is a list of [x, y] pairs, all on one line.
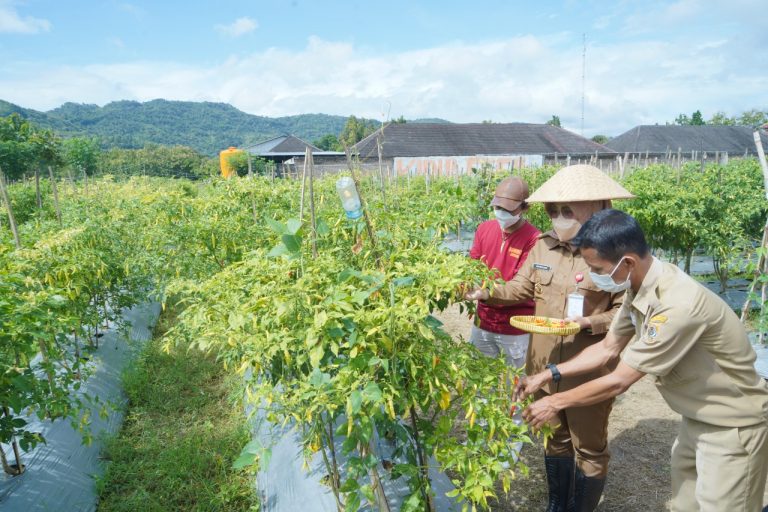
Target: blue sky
{"points": [[463, 61]]}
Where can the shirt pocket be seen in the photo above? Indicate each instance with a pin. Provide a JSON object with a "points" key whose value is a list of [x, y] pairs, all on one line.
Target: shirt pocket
{"points": [[541, 282], [680, 374]]}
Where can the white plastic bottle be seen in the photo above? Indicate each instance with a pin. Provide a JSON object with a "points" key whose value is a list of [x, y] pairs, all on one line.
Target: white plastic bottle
{"points": [[350, 201]]}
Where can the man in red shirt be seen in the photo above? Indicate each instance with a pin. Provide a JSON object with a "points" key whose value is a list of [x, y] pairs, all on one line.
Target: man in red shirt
{"points": [[503, 244]]}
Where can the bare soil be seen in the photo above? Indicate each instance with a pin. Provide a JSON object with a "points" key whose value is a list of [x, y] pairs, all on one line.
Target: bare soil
{"points": [[641, 431]]}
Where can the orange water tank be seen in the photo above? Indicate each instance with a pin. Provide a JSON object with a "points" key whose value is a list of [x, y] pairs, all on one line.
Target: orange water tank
{"points": [[227, 169]]}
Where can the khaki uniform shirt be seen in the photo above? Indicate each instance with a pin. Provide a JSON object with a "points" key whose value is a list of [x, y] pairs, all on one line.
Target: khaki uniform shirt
{"points": [[549, 276], [695, 346]]}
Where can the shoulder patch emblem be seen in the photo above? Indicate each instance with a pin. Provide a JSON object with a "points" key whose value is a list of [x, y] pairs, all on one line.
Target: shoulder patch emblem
{"points": [[659, 319]]}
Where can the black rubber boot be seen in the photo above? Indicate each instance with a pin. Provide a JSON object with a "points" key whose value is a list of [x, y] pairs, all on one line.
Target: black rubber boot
{"points": [[560, 481], [586, 492]]}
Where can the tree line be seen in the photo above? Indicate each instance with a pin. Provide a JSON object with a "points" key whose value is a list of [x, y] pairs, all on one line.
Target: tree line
{"points": [[26, 148]]}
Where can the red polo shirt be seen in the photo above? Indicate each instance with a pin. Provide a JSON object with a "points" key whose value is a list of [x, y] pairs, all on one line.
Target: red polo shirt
{"points": [[506, 253]]}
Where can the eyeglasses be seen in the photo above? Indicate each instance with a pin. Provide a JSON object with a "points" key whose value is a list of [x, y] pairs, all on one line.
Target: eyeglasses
{"points": [[515, 212], [564, 211]]}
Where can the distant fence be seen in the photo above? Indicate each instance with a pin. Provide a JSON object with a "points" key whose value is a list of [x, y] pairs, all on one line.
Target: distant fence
{"points": [[616, 164]]}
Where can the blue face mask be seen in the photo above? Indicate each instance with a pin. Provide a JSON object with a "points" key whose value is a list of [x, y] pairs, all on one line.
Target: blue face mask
{"points": [[606, 283], [505, 218]]}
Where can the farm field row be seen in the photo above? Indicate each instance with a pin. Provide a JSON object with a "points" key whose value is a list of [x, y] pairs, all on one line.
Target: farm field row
{"points": [[333, 318]]}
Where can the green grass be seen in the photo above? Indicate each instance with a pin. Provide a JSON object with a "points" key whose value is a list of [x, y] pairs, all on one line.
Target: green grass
{"points": [[184, 427]]}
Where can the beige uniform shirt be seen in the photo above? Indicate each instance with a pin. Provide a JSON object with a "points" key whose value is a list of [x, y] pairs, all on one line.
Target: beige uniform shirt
{"points": [[548, 276], [695, 346]]}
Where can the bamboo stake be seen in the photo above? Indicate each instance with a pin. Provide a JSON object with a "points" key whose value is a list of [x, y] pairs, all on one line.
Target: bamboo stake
{"points": [[6, 467], [303, 182], [15, 446], [762, 268], [312, 200], [72, 183], [381, 169], [11, 218], [367, 219], [55, 191], [761, 263], [37, 191]]}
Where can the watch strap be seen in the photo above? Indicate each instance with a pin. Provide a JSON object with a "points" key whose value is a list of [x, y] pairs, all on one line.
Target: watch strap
{"points": [[555, 372]]}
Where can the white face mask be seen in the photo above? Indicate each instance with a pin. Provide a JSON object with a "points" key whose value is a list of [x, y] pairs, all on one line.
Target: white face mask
{"points": [[566, 229], [606, 283], [505, 218]]}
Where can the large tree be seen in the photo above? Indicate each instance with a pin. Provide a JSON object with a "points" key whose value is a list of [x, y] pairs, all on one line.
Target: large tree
{"points": [[24, 147], [82, 154], [356, 130], [722, 119], [328, 142], [17, 153], [696, 119], [753, 117]]}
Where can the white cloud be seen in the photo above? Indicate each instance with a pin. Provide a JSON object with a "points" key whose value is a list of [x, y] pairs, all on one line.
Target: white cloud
{"points": [[13, 23], [237, 28], [524, 78]]}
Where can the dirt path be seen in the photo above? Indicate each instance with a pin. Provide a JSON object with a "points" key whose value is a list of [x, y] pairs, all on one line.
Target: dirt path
{"points": [[641, 430]]}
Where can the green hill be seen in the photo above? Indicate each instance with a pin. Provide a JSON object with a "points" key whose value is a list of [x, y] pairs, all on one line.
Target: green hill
{"points": [[205, 126]]}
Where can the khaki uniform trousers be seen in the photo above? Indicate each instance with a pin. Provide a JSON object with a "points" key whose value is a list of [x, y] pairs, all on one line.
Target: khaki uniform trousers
{"points": [[583, 432], [718, 469]]}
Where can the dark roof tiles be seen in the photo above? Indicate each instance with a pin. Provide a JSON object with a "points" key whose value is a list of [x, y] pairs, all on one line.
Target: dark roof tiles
{"points": [[432, 139], [711, 138], [283, 144]]}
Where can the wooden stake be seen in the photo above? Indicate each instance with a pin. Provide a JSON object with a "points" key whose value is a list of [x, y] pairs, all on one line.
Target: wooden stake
{"points": [[11, 218], [55, 191], [761, 157], [72, 182], [303, 182], [367, 219], [14, 445], [37, 190], [381, 168], [762, 261], [312, 200]]}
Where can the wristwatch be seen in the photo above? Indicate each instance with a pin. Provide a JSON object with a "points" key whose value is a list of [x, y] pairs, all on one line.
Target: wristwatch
{"points": [[555, 372]]}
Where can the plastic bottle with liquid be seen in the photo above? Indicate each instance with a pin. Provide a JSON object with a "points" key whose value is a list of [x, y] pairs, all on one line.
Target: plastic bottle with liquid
{"points": [[350, 201]]}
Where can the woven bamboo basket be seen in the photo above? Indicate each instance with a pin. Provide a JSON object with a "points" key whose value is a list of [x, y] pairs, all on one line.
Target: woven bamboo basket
{"points": [[528, 324]]}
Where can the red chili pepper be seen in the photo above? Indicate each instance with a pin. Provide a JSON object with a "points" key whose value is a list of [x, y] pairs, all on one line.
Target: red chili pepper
{"points": [[512, 410]]}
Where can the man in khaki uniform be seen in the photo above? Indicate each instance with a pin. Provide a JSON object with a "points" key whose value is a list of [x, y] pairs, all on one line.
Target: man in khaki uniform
{"points": [[552, 273], [699, 354]]}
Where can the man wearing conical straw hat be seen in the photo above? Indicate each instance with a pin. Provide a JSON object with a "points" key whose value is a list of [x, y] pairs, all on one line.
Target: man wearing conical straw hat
{"points": [[557, 278]]}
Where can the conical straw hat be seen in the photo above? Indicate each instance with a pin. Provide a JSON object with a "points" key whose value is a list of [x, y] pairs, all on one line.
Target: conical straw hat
{"points": [[578, 183]]}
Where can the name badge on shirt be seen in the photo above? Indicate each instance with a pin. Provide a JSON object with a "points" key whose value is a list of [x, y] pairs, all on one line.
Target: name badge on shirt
{"points": [[575, 305], [541, 266]]}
